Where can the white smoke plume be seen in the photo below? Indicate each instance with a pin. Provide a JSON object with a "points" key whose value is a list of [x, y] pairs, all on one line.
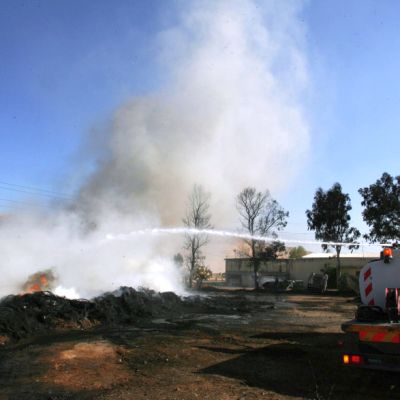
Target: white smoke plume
{"points": [[229, 116]]}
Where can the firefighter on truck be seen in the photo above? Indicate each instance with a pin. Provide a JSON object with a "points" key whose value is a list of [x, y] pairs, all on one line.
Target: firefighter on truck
{"points": [[372, 339]]}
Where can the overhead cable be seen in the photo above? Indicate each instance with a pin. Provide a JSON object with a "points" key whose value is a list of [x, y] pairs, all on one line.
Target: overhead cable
{"points": [[35, 190]]}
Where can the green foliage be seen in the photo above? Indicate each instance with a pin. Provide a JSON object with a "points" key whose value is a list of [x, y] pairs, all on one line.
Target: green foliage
{"points": [[272, 250], [297, 252], [202, 273], [329, 217], [381, 202]]}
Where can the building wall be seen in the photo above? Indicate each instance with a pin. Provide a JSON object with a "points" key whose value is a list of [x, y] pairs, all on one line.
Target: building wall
{"points": [[239, 271]]}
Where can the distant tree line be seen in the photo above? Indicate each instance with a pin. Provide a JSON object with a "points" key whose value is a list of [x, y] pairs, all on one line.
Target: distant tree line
{"points": [[329, 216], [261, 215]]}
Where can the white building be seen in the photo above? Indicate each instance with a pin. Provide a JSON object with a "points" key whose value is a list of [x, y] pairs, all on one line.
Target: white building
{"points": [[239, 271]]}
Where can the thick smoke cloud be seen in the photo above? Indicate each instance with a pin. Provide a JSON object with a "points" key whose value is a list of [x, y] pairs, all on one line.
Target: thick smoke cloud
{"points": [[228, 116]]}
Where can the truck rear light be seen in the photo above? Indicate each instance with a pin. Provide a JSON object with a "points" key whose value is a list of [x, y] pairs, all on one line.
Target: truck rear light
{"points": [[352, 359], [356, 359]]}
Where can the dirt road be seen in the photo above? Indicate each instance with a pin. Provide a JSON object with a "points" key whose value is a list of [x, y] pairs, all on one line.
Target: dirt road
{"points": [[264, 347]]}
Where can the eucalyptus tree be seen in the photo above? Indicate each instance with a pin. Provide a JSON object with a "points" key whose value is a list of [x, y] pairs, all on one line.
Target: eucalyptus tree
{"points": [[381, 202], [330, 219]]}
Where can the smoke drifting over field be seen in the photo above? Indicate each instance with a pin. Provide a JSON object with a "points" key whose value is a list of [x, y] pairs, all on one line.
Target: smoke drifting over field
{"points": [[228, 116]]}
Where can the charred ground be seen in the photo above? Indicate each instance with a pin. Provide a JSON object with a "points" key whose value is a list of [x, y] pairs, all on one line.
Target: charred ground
{"points": [[142, 344]]}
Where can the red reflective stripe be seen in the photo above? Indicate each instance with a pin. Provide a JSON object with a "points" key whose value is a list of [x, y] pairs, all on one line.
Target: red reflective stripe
{"points": [[368, 289], [396, 339], [367, 273], [371, 302], [382, 336], [378, 337], [362, 335]]}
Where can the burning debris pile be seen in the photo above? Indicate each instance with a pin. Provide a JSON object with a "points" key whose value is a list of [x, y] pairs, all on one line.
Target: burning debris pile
{"points": [[37, 312]]}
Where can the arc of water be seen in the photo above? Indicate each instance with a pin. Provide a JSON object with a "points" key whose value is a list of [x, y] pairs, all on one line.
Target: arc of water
{"points": [[222, 233]]}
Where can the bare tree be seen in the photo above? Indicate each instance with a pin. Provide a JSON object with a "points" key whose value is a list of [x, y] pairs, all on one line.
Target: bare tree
{"points": [[259, 214], [197, 216]]}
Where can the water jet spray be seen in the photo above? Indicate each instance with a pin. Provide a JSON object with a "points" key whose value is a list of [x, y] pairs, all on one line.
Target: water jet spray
{"points": [[230, 234]]}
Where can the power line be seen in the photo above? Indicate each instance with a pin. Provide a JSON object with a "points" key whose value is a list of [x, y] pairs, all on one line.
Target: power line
{"points": [[20, 202], [35, 190], [35, 193]]}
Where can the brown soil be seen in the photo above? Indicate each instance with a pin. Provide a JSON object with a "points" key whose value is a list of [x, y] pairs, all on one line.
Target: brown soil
{"points": [[286, 352]]}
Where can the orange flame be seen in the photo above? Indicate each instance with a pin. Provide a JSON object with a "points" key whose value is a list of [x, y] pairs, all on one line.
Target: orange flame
{"points": [[34, 288], [43, 280], [38, 282]]}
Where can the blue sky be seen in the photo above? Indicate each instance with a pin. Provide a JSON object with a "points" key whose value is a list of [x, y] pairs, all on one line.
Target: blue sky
{"points": [[356, 48], [65, 66], [354, 56]]}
